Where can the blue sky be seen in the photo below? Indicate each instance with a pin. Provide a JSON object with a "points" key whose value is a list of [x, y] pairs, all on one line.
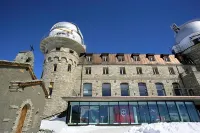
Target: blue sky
{"points": [[125, 26]]}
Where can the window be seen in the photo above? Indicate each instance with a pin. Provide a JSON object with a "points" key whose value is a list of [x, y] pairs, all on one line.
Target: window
{"points": [[88, 70], [171, 70], [166, 58], [194, 117], [120, 58], [57, 49], [105, 58], [105, 70], [136, 58], [89, 58], [177, 90], [69, 68], [153, 110], [55, 67], [155, 70], [160, 89], [126, 112], [142, 89], [71, 51], [182, 112], [87, 89], [151, 58], [124, 89], [139, 70], [191, 92], [122, 70], [50, 89], [106, 89], [173, 112], [164, 115], [144, 112]]}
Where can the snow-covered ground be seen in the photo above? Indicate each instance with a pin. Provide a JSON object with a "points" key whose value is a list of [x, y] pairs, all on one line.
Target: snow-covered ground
{"points": [[175, 127]]}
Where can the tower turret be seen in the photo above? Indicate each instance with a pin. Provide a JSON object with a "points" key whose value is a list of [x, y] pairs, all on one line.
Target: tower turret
{"points": [[61, 49], [187, 42]]}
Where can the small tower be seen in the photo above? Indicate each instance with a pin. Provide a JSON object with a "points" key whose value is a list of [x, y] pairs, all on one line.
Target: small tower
{"points": [[187, 42], [25, 57], [61, 49]]}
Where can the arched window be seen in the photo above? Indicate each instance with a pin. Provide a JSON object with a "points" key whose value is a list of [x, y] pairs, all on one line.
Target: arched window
{"points": [[142, 89], [87, 89], [177, 90], [106, 89], [124, 89], [160, 89], [191, 92], [22, 119], [69, 68]]}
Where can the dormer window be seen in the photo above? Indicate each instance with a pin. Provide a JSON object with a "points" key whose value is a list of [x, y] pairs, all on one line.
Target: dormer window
{"points": [[135, 57], [104, 57], [89, 58], [120, 57], [150, 57], [165, 57]]}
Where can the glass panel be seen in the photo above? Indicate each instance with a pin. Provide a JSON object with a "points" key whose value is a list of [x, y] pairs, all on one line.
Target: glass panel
{"points": [[182, 111], [94, 103], [124, 89], [164, 115], [194, 117], [75, 113], [124, 116], [87, 89], [94, 115], [84, 103], [154, 115], [160, 89], [134, 112], [173, 112], [104, 113], [142, 89], [114, 113], [106, 89], [144, 112], [84, 114]]}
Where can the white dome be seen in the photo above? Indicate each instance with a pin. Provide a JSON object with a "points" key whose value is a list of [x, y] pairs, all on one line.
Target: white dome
{"points": [[63, 34], [66, 25], [187, 29]]}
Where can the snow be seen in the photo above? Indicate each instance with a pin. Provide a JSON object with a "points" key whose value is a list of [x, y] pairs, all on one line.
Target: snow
{"points": [[60, 126]]}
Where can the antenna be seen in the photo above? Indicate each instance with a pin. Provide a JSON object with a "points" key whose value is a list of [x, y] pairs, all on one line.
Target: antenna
{"points": [[31, 48], [175, 28]]}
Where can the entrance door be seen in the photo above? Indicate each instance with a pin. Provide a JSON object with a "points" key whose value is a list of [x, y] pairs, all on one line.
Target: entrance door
{"points": [[22, 119]]}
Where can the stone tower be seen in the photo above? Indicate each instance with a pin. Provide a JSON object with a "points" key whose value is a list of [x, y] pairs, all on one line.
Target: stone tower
{"points": [[187, 42], [61, 49], [25, 57]]}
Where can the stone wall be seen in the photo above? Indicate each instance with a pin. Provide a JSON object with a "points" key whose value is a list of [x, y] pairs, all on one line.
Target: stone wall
{"points": [[131, 77], [62, 78], [12, 100]]}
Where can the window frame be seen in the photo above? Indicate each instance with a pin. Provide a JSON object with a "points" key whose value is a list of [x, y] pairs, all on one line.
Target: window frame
{"points": [[88, 70], [122, 70]]}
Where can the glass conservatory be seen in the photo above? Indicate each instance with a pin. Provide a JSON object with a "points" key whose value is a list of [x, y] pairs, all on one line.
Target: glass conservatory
{"points": [[137, 112]]}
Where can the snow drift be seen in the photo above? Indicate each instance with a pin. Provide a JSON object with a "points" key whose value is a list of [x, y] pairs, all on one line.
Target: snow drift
{"points": [[174, 127]]}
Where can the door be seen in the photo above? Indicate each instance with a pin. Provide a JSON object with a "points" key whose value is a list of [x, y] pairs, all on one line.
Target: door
{"points": [[22, 119]]}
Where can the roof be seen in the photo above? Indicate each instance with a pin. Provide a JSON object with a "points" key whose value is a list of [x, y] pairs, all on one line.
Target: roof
{"points": [[22, 65], [112, 59], [132, 98]]}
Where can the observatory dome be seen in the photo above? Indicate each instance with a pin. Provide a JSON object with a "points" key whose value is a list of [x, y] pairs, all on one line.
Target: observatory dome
{"points": [[187, 29], [63, 34], [67, 29]]}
